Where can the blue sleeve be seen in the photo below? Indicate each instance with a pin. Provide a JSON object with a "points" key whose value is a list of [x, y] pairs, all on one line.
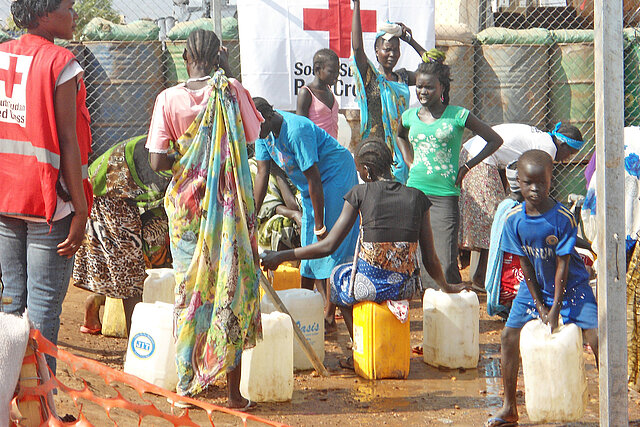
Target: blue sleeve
{"points": [[567, 232], [510, 241], [262, 153], [304, 143]]}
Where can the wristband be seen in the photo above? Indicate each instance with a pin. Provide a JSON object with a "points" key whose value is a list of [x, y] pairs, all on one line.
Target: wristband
{"points": [[321, 231], [467, 166]]}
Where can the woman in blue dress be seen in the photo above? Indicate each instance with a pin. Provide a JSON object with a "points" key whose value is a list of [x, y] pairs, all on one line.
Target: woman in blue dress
{"points": [[322, 170]]}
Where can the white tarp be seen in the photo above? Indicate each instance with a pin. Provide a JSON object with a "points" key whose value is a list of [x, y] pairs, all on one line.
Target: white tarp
{"points": [[279, 37]]}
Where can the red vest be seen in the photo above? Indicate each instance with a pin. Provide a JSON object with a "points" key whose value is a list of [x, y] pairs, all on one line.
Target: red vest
{"points": [[29, 146]]}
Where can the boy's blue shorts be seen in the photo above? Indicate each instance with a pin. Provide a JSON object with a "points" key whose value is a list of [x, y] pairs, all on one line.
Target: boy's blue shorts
{"points": [[578, 306]]}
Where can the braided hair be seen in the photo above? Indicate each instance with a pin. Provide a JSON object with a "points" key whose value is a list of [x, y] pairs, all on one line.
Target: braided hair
{"points": [[203, 47], [434, 65], [26, 13], [376, 156]]}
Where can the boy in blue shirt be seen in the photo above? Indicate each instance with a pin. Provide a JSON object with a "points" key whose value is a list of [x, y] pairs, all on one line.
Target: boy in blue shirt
{"points": [[542, 232]]}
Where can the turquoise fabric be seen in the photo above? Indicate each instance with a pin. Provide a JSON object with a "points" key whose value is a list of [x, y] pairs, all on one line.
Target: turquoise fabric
{"points": [[300, 145], [493, 278], [394, 97]]}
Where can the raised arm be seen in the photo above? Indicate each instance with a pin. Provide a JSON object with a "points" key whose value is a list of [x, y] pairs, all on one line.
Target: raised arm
{"points": [[494, 141], [405, 146], [407, 36], [362, 62], [261, 182], [320, 249]]}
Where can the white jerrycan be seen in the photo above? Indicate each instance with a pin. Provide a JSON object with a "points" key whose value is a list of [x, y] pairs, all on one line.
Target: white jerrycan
{"points": [[307, 309], [151, 351], [451, 329], [267, 369], [554, 376], [159, 285]]}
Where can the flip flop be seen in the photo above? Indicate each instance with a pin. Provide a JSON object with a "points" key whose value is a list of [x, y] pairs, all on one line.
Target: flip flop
{"points": [[250, 406], [85, 330], [499, 422], [179, 404]]}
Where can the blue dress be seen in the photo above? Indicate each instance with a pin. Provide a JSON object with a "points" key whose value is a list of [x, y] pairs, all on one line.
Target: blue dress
{"points": [[300, 145]]}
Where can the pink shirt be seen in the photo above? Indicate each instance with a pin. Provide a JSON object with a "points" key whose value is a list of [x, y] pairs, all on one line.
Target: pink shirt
{"points": [[177, 107], [323, 116]]}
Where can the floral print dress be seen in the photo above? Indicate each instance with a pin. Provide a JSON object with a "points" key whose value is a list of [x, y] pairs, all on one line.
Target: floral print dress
{"points": [[211, 215]]}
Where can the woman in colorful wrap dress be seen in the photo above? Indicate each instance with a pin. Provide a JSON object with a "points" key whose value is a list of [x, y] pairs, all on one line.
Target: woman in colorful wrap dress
{"points": [[383, 95], [211, 216]]}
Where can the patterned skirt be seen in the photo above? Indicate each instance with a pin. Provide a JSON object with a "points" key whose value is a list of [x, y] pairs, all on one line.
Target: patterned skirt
{"points": [[633, 319], [383, 271], [481, 193], [117, 248]]}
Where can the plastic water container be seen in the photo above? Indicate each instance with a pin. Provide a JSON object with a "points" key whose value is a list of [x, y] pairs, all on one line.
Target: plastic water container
{"points": [[159, 286], [267, 369], [285, 277], [381, 343], [113, 320], [554, 376], [151, 351], [307, 309], [451, 329]]}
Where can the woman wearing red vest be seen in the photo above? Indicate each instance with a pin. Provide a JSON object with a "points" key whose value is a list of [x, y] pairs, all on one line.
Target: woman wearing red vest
{"points": [[44, 145]]}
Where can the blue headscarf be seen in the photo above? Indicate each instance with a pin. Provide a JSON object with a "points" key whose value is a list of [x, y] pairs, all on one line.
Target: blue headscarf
{"points": [[573, 143]]}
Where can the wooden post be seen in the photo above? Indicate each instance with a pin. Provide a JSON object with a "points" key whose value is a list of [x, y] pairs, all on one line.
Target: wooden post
{"points": [[609, 107], [31, 410], [302, 340], [216, 16]]}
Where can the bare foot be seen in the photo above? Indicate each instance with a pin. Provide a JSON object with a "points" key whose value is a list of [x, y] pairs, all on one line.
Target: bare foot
{"points": [[330, 326], [92, 312]]}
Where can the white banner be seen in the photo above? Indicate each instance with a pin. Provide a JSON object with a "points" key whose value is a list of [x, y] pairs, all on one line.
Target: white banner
{"points": [[279, 37]]}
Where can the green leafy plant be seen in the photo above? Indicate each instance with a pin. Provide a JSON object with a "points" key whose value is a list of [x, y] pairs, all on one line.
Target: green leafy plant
{"points": [[89, 9]]}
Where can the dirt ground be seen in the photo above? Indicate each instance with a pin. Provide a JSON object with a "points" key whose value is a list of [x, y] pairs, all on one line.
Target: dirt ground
{"points": [[428, 397]]}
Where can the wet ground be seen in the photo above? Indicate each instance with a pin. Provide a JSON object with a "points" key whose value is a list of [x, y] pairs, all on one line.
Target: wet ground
{"points": [[429, 396]]}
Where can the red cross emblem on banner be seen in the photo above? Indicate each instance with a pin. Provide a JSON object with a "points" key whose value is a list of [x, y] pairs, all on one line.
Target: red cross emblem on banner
{"points": [[10, 77], [337, 20]]}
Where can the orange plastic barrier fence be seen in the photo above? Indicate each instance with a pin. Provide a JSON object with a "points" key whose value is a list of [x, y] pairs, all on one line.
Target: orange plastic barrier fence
{"points": [[109, 375]]}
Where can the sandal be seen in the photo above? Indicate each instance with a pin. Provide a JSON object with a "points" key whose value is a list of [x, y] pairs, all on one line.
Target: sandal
{"points": [[90, 331], [500, 422], [250, 406], [180, 404], [347, 363]]}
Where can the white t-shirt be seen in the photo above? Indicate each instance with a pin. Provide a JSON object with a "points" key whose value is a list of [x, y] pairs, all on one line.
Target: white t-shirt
{"points": [[517, 138]]}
